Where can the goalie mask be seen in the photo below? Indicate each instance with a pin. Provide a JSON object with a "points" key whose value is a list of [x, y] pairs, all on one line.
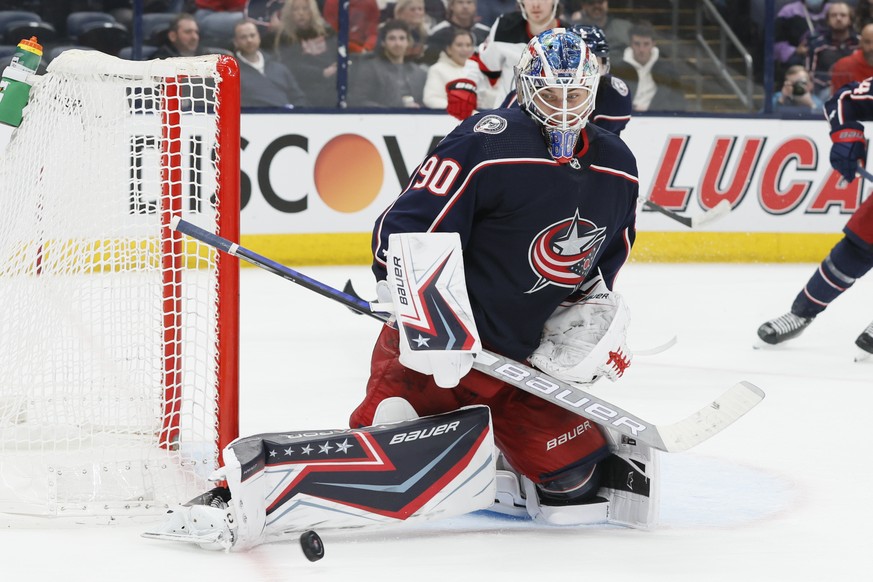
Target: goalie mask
{"points": [[557, 78]]}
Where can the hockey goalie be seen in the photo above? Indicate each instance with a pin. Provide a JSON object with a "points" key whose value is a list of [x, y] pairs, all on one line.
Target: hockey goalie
{"points": [[403, 467], [509, 237]]}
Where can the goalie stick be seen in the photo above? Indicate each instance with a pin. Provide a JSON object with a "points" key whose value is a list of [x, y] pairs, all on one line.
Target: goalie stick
{"points": [[676, 437], [717, 211]]}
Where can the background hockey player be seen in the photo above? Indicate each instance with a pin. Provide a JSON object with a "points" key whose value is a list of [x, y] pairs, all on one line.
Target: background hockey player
{"points": [[544, 204], [613, 105], [494, 60], [852, 257]]}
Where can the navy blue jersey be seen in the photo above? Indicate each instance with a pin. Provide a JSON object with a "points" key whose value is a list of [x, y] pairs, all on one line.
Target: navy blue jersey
{"points": [[612, 105], [850, 105], [846, 109], [533, 230]]}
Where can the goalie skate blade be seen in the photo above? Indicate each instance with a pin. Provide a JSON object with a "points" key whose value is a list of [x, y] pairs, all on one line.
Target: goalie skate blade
{"points": [[184, 538]]}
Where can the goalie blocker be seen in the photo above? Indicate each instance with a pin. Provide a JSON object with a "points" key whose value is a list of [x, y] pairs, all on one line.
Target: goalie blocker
{"points": [[428, 294]]}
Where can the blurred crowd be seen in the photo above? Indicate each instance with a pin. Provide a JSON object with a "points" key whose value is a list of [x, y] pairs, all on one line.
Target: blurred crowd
{"points": [[402, 53]]}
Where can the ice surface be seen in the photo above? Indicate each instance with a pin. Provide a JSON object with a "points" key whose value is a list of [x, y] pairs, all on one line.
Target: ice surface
{"points": [[781, 495]]}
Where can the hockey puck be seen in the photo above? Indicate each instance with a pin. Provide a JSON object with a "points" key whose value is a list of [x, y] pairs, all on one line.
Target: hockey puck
{"points": [[313, 547]]}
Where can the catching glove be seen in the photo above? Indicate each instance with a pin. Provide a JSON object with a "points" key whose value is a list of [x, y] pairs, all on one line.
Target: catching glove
{"points": [[586, 341], [462, 98], [848, 150]]}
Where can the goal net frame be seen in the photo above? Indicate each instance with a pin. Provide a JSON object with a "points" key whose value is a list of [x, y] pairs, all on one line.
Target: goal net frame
{"points": [[136, 428]]}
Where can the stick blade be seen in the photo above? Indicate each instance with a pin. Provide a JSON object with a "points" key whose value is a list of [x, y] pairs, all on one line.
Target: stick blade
{"points": [[656, 349], [712, 419], [349, 289], [721, 209]]}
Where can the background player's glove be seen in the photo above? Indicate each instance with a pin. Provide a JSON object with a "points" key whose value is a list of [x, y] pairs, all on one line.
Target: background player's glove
{"points": [[462, 98], [586, 340], [848, 150]]}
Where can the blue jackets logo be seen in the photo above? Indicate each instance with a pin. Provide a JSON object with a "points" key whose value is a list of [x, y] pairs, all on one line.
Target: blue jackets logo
{"points": [[563, 253]]}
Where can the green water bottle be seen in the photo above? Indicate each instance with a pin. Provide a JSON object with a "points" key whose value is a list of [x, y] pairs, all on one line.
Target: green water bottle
{"points": [[14, 88]]}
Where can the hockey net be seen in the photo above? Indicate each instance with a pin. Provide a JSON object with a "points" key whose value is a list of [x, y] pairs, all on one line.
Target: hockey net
{"points": [[118, 339]]}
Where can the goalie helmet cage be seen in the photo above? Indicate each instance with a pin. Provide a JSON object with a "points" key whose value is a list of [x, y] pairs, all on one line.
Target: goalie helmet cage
{"points": [[119, 339]]}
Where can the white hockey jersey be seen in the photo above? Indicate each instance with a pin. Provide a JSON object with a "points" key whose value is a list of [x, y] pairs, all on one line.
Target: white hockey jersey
{"points": [[495, 59]]}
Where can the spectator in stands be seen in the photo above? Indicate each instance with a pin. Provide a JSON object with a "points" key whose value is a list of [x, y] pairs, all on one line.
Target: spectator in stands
{"points": [[363, 23], [449, 67], [386, 79], [617, 30], [434, 10], [266, 15], [489, 10], [795, 22], [264, 81], [217, 19], [863, 14], [412, 13], [797, 95], [307, 45], [653, 82], [836, 41], [858, 65], [460, 14], [183, 39]]}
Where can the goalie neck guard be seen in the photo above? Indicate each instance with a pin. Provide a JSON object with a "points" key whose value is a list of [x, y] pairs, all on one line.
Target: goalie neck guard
{"points": [[557, 78]]}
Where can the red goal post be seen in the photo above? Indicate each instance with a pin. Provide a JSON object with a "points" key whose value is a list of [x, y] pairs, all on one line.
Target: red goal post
{"points": [[118, 339]]}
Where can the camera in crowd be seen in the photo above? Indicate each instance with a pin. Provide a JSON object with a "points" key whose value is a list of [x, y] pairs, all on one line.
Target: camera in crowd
{"points": [[798, 88]]}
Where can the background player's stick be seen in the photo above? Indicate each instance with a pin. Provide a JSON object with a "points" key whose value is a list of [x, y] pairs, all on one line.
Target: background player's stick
{"points": [[717, 211], [862, 171], [679, 436]]}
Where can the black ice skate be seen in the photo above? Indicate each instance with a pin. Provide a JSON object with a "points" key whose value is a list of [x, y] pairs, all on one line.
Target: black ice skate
{"points": [[783, 328], [865, 342]]}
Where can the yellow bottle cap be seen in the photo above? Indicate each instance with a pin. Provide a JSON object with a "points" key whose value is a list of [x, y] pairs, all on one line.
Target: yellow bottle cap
{"points": [[31, 45]]}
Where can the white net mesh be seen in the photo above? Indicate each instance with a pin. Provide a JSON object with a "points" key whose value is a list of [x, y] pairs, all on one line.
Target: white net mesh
{"points": [[108, 333]]}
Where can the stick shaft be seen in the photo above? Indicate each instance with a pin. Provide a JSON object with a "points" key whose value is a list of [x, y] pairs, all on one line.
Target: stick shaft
{"points": [[222, 244]]}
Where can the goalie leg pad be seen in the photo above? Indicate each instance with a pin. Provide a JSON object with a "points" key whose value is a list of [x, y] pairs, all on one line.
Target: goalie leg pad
{"points": [[427, 468], [631, 482], [509, 496], [586, 511], [568, 499]]}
